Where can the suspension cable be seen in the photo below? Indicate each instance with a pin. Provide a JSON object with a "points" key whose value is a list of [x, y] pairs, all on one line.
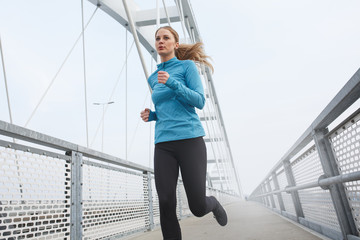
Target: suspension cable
{"points": [[6, 85], [85, 88], [157, 14], [166, 12], [137, 125], [136, 39], [11, 121], [150, 123], [179, 5], [158, 25], [112, 94], [126, 103], [57, 73]]}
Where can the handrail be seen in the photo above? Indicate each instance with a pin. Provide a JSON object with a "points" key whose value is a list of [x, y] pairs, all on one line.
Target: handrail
{"points": [[344, 99], [335, 159], [323, 182], [17, 132]]}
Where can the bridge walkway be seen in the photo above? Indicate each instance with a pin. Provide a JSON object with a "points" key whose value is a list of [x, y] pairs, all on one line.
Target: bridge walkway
{"points": [[247, 221]]}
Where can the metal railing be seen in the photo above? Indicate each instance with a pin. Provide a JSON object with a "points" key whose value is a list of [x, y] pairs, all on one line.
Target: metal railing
{"points": [[50, 188], [316, 183]]}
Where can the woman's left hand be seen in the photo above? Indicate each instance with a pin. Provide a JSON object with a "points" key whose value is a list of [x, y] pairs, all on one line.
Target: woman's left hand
{"points": [[163, 77]]}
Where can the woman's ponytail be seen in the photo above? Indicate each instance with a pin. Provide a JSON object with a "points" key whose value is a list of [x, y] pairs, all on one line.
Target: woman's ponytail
{"points": [[193, 52]]}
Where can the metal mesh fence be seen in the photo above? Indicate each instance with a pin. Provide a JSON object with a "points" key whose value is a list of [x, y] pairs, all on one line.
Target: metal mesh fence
{"points": [[287, 199], [268, 197], [36, 200], [346, 146], [276, 201], [307, 168], [316, 202], [34, 195], [115, 201], [324, 180], [275, 197], [318, 207]]}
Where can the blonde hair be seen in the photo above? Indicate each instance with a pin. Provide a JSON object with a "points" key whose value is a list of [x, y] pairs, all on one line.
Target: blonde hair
{"points": [[193, 52]]}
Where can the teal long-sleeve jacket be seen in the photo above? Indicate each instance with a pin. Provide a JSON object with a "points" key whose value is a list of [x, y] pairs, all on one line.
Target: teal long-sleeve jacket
{"points": [[175, 101]]}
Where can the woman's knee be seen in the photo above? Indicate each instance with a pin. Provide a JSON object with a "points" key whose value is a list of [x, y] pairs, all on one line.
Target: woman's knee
{"points": [[199, 210]]}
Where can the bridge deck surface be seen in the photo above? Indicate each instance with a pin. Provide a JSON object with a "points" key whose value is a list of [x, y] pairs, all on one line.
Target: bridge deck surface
{"points": [[247, 221]]}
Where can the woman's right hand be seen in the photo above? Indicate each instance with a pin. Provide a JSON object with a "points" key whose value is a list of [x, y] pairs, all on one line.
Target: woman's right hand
{"points": [[145, 115]]}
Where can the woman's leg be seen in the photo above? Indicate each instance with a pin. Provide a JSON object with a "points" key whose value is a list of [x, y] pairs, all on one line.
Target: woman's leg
{"points": [[166, 176], [191, 154]]}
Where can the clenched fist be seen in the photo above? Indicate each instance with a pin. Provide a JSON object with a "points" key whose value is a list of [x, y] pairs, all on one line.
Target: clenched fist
{"points": [[163, 77], [145, 115]]}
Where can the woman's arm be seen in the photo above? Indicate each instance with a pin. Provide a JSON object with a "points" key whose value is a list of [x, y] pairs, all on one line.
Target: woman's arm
{"points": [[193, 93]]}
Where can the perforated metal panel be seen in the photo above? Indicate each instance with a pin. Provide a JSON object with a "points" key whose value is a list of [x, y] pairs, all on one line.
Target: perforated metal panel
{"points": [[34, 196], [346, 146], [272, 184], [267, 198], [115, 202], [318, 207], [307, 168], [36, 188], [287, 199], [316, 202], [276, 200]]}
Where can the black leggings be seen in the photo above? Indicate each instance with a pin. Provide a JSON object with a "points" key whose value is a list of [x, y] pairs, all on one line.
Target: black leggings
{"points": [[190, 156]]}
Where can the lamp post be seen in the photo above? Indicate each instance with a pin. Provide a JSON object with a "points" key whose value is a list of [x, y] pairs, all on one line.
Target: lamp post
{"points": [[103, 120]]}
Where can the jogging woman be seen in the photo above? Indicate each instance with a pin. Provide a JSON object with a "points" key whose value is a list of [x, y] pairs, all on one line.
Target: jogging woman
{"points": [[177, 91]]}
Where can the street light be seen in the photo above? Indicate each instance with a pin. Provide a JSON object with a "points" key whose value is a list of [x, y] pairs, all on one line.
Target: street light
{"points": [[103, 120]]}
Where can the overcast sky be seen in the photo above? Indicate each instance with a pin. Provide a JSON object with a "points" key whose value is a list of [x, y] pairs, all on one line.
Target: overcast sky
{"points": [[277, 65]]}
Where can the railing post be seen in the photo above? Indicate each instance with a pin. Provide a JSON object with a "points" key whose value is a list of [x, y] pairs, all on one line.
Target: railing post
{"points": [[271, 196], [266, 200], [277, 187], [76, 195], [148, 187], [294, 194], [337, 191], [261, 198]]}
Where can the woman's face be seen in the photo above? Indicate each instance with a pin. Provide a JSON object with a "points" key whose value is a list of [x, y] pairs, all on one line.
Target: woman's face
{"points": [[165, 43]]}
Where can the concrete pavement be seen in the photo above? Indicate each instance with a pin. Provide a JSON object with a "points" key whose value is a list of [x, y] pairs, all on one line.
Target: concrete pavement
{"points": [[247, 221]]}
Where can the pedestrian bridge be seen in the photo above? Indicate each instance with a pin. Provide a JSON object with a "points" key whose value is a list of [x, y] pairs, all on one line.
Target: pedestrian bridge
{"points": [[54, 189], [51, 188], [247, 221]]}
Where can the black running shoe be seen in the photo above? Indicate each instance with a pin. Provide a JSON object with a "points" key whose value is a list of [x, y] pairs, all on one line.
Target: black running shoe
{"points": [[220, 214]]}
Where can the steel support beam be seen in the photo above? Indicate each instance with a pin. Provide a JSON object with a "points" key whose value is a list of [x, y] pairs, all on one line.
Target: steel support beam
{"points": [[147, 17]]}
